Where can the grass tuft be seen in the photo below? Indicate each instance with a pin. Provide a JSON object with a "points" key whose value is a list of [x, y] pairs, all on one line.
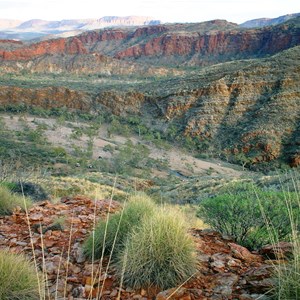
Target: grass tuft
{"points": [[18, 278], [9, 201], [159, 253], [113, 233]]}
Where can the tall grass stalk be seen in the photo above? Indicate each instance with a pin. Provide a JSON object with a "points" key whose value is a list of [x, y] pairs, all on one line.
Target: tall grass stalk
{"points": [[125, 259], [178, 288], [68, 255], [113, 246], [58, 272], [44, 262], [286, 274], [99, 270], [40, 284]]}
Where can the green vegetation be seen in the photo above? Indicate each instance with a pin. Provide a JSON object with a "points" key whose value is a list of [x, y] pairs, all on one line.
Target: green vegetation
{"points": [[18, 278], [287, 273], [9, 201], [112, 233], [158, 253], [287, 278], [237, 211], [150, 243]]}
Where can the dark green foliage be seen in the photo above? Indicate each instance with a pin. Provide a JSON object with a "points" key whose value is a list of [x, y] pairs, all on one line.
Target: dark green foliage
{"points": [[252, 216], [29, 189], [118, 227]]}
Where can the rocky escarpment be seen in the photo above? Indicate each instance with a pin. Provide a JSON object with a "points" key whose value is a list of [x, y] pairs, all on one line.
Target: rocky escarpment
{"points": [[247, 109], [48, 97], [83, 64], [217, 46], [254, 111], [176, 44]]}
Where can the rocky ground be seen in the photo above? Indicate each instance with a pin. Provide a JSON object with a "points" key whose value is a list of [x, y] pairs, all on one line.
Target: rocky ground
{"points": [[57, 231]]}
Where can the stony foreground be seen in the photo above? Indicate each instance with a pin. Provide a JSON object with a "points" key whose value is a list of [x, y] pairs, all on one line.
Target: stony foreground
{"points": [[226, 270]]}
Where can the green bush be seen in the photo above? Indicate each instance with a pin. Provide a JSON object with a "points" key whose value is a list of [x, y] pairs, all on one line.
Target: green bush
{"points": [[159, 253], [18, 278], [252, 216], [9, 201], [118, 227]]}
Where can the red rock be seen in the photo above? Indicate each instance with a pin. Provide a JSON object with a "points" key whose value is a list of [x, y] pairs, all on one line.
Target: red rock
{"points": [[243, 253], [36, 217], [173, 294], [281, 250]]}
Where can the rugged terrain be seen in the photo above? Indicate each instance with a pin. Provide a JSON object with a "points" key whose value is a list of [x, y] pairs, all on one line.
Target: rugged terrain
{"points": [[162, 109], [245, 109], [225, 269]]}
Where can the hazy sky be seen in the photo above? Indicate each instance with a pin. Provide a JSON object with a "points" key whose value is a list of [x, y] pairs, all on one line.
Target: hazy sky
{"points": [[166, 10]]}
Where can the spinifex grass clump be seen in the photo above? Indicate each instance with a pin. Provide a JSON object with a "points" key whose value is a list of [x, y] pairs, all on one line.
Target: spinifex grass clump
{"points": [[158, 253], [113, 232], [18, 278], [9, 201]]}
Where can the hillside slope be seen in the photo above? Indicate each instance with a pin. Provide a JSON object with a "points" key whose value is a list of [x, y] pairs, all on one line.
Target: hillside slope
{"points": [[244, 111]]}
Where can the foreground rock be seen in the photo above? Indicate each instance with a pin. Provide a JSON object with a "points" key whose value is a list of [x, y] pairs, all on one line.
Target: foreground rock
{"points": [[57, 231]]}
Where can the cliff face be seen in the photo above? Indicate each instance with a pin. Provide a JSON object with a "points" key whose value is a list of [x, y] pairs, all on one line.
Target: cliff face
{"points": [[50, 97], [203, 49], [59, 46], [193, 44]]}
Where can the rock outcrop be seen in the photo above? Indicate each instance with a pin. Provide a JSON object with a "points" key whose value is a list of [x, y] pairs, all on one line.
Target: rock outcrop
{"points": [[176, 44], [48, 97]]}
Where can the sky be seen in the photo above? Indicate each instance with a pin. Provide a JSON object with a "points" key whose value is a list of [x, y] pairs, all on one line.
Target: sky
{"points": [[236, 11]]}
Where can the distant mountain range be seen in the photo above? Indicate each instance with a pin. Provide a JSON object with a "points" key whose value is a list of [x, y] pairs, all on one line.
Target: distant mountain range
{"points": [[41, 29], [36, 28], [262, 22]]}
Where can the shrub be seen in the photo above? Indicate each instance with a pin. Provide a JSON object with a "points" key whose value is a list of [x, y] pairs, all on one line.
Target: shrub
{"points": [[9, 201], [118, 227], [239, 214], [33, 190], [18, 278], [159, 253]]}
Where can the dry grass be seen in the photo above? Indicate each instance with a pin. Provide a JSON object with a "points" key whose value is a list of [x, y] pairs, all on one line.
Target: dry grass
{"points": [[10, 201], [18, 278]]}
